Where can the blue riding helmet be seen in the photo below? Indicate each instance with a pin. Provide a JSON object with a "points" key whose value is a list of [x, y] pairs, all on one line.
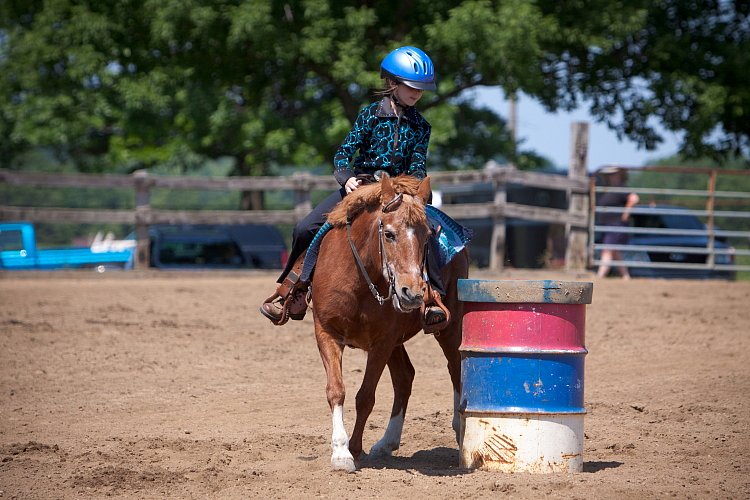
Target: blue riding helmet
{"points": [[410, 66]]}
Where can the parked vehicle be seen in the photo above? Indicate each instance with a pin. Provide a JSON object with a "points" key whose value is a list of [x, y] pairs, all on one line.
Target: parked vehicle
{"points": [[19, 251], [672, 254], [216, 246], [527, 243]]}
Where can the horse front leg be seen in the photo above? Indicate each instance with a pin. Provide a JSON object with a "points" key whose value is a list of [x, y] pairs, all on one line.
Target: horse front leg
{"points": [[402, 376], [332, 354]]}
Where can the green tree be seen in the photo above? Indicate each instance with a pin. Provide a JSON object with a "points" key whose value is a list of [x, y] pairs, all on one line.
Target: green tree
{"points": [[130, 84], [682, 64], [136, 83]]}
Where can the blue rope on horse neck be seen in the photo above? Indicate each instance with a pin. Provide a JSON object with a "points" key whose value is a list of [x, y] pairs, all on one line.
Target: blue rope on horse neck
{"points": [[312, 253]]}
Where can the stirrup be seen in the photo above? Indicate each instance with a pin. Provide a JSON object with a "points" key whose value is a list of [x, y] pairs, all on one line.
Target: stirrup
{"points": [[285, 295], [433, 298]]}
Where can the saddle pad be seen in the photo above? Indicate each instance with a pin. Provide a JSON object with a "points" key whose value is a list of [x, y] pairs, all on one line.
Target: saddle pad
{"points": [[452, 237]]}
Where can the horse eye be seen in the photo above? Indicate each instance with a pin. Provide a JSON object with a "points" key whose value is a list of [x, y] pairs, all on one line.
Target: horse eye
{"points": [[390, 235]]}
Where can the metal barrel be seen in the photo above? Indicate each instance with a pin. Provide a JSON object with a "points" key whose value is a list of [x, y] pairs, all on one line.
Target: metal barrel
{"points": [[522, 373]]}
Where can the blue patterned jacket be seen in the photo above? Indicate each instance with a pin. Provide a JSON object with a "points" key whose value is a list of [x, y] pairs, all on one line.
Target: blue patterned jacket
{"points": [[373, 135]]}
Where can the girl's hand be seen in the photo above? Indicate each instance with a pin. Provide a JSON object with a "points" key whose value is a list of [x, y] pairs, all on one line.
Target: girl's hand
{"points": [[351, 184]]}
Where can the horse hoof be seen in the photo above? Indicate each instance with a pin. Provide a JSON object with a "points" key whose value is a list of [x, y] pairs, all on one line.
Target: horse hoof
{"points": [[345, 464], [380, 451]]}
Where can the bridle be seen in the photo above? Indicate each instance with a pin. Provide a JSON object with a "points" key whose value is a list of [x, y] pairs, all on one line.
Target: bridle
{"points": [[388, 207]]}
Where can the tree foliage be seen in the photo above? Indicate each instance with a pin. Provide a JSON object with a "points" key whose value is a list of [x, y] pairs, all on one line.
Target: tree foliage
{"points": [[681, 64], [128, 84]]}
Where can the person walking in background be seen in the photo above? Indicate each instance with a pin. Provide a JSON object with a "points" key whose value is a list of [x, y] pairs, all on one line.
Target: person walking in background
{"points": [[614, 177]]}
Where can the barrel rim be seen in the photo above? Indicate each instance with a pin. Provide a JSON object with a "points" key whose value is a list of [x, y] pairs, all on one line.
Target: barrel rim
{"points": [[526, 291], [515, 412], [499, 349]]}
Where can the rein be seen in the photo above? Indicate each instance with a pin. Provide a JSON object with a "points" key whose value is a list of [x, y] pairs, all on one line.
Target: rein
{"points": [[391, 278]]}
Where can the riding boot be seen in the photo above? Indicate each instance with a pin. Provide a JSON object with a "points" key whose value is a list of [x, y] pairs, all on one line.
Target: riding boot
{"points": [[435, 316], [291, 298]]}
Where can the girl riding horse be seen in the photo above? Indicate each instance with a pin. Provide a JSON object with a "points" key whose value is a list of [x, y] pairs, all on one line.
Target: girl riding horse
{"points": [[369, 292], [391, 136]]}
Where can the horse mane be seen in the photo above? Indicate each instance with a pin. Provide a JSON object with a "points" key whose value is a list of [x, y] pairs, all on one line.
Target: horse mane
{"points": [[368, 198]]}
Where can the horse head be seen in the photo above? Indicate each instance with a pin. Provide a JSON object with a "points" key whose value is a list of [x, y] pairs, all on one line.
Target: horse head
{"points": [[403, 241], [389, 230]]}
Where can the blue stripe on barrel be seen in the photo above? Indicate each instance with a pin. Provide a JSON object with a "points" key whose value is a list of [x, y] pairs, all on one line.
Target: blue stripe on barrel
{"points": [[530, 382]]}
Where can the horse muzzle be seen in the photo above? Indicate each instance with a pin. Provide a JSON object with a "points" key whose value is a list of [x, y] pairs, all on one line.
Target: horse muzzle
{"points": [[405, 300]]}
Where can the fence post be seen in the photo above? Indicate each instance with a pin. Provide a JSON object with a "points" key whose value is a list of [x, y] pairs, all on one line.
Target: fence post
{"points": [[497, 242], [302, 201], [142, 209], [575, 252], [710, 203]]}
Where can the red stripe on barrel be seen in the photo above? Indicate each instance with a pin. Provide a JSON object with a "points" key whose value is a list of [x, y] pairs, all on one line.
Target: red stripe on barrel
{"points": [[529, 327]]}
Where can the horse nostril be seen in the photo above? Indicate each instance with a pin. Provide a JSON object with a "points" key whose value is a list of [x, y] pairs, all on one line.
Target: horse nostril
{"points": [[411, 297]]}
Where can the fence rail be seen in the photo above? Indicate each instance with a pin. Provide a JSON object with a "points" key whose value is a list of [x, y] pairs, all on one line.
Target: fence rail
{"points": [[301, 184], [718, 258]]}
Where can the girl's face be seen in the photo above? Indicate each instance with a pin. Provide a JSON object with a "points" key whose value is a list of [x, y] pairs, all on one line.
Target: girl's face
{"points": [[407, 95]]}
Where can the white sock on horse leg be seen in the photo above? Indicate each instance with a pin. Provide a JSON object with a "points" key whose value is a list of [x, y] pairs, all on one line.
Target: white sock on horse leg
{"points": [[341, 458], [391, 440]]}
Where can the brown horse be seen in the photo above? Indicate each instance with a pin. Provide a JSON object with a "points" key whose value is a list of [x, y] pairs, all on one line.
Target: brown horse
{"points": [[375, 304]]}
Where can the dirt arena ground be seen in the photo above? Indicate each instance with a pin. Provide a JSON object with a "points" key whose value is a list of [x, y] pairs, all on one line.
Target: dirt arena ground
{"points": [[145, 385]]}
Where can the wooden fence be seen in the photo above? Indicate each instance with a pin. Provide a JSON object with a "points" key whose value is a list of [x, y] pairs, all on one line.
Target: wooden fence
{"points": [[302, 184]]}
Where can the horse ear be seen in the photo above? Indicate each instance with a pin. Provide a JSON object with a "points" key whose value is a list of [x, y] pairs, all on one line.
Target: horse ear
{"points": [[424, 190], [387, 193]]}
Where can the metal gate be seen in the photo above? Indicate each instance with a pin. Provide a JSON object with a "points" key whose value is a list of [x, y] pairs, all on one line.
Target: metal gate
{"points": [[674, 232]]}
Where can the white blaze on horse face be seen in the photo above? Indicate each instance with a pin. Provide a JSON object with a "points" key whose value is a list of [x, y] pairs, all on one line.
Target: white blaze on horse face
{"points": [[341, 458], [408, 277], [410, 254], [416, 262]]}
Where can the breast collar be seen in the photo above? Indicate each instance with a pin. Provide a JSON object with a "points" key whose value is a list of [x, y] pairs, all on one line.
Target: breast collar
{"points": [[385, 110]]}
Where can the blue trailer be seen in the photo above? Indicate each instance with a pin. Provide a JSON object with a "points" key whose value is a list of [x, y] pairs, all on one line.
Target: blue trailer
{"points": [[19, 251]]}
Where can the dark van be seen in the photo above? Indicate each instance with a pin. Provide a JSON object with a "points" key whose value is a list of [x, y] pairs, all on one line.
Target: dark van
{"points": [[217, 246], [689, 248], [526, 242]]}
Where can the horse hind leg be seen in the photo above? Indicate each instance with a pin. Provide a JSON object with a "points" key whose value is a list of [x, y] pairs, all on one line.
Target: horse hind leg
{"points": [[376, 361], [402, 376], [450, 338], [332, 353]]}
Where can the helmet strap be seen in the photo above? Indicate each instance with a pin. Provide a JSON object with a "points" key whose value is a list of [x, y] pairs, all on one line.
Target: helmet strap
{"points": [[398, 103]]}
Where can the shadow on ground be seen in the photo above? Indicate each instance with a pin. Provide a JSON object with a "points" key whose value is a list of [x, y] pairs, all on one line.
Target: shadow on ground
{"points": [[440, 461]]}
